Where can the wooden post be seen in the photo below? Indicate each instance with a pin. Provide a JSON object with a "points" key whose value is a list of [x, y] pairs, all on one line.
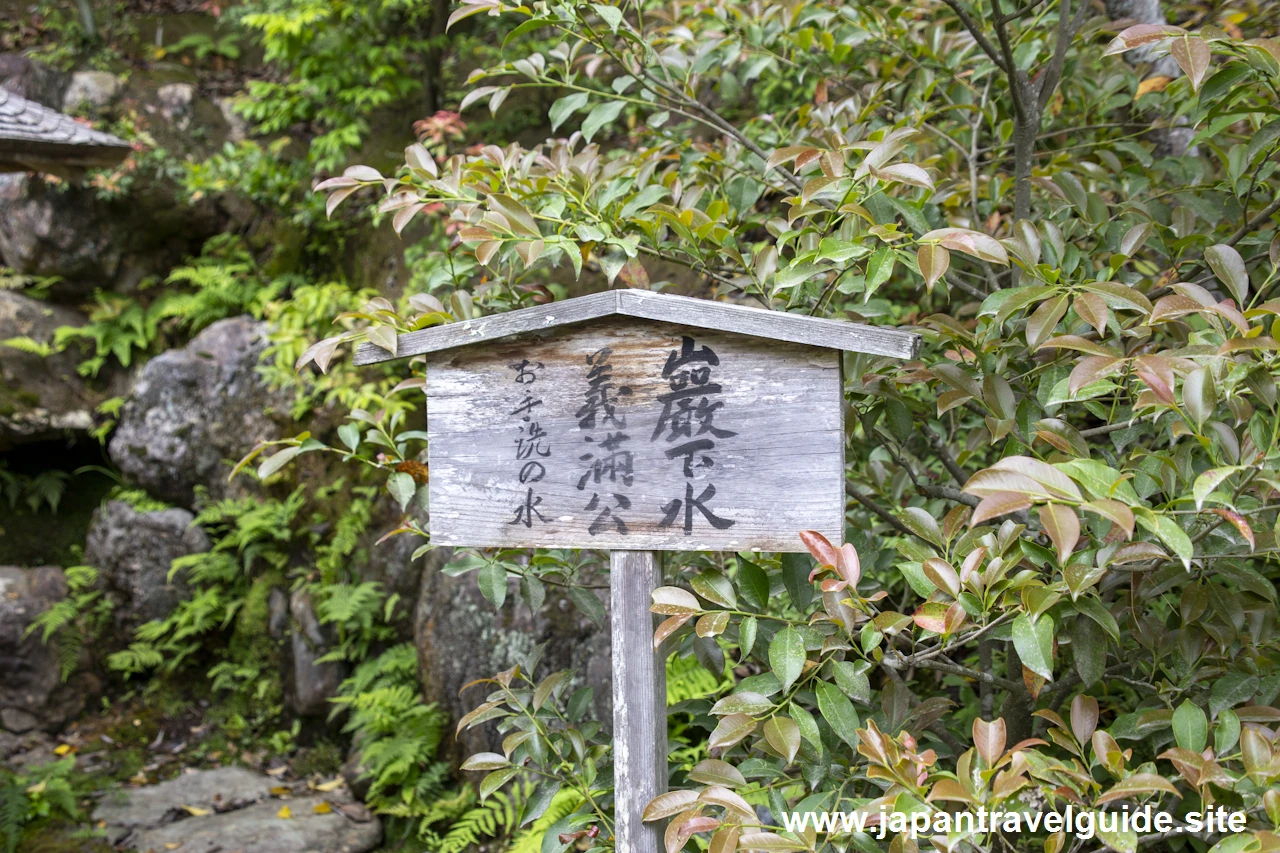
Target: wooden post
{"points": [[639, 700]]}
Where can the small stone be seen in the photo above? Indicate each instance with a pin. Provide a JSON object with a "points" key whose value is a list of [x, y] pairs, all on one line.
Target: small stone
{"points": [[92, 89], [17, 720], [176, 103]]}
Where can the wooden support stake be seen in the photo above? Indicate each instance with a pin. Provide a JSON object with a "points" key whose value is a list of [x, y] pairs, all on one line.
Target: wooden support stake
{"points": [[639, 700]]}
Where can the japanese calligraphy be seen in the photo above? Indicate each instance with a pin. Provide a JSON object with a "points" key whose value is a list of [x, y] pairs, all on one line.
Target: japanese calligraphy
{"points": [[607, 465], [687, 425], [531, 446]]}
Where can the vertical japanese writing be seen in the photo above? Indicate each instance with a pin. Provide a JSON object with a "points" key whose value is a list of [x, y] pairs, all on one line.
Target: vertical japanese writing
{"points": [[687, 425], [531, 449], [607, 469]]}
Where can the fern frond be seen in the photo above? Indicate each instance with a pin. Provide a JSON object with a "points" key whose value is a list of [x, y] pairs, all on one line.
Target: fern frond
{"points": [[529, 840], [28, 345], [494, 819]]}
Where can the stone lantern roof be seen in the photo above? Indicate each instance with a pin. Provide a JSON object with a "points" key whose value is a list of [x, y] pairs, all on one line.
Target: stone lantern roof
{"points": [[36, 138]]}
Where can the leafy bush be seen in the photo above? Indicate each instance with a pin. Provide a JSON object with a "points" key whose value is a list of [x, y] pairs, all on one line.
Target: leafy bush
{"points": [[1066, 505]]}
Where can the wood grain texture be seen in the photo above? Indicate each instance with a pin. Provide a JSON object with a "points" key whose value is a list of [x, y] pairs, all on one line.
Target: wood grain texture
{"points": [[644, 304], [639, 700], [770, 462]]}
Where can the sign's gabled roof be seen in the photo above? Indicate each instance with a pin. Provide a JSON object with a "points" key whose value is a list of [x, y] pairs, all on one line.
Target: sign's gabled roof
{"points": [[662, 307], [34, 137]]}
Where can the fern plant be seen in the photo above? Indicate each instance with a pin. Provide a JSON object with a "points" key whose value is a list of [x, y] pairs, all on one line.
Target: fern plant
{"points": [[43, 489], [251, 539], [224, 281], [78, 618], [498, 817], [38, 792], [399, 735]]}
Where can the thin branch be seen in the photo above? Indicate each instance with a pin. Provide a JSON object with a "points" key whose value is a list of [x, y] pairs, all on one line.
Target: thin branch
{"points": [[975, 30], [1018, 87], [1067, 29], [947, 493], [940, 449], [1105, 430], [875, 509], [955, 281], [1253, 223], [896, 660]]}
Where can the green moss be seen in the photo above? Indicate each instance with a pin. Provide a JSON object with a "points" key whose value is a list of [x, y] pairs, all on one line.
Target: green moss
{"points": [[323, 759], [61, 837]]}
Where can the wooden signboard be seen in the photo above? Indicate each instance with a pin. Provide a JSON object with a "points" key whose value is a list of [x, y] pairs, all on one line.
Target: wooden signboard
{"points": [[637, 422], [638, 436]]}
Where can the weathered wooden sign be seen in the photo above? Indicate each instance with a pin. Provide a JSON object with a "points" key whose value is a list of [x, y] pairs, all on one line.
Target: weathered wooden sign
{"points": [[637, 422], [635, 435]]}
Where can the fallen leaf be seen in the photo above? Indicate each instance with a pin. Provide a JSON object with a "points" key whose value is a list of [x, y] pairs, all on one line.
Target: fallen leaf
{"points": [[331, 785], [196, 811], [285, 813], [323, 808], [280, 791], [1152, 84], [62, 749], [278, 771]]}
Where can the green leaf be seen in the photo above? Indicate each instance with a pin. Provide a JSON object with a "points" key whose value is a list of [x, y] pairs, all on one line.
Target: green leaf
{"points": [[591, 606], [565, 107], [350, 435], [1089, 650], [1231, 690], [1034, 642], [1227, 733], [1229, 268], [795, 577], [402, 487], [715, 587], [599, 117], [787, 656], [838, 711], [807, 725], [1094, 609], [496, 780], [783, 735], [747, 636], [1207, 482], [879, 269], [540, 801], [754, 583], [612, 15], [282, 458], [493, 583], [1190, 726], [853, 681]]}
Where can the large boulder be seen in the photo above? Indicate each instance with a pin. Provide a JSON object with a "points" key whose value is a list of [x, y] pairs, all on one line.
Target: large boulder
{"points": [[32, 692], [133, 551], [69, 233], [461, 637], [41, 397], [195, 407], [57, 230], [232, 809]]}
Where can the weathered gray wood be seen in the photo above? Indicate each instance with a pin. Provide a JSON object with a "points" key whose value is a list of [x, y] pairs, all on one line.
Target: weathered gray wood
{"points": [[695, 313], [639, 701], [772, 415]]}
